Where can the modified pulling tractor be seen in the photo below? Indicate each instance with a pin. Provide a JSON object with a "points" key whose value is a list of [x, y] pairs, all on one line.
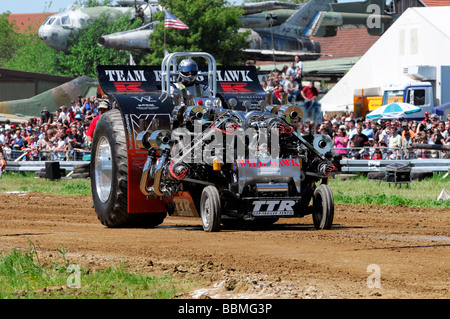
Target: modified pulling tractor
{"points": [[230, 157]]}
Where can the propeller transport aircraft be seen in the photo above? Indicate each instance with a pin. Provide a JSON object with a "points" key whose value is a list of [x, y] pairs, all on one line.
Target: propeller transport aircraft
{"points": [[278, 29]]}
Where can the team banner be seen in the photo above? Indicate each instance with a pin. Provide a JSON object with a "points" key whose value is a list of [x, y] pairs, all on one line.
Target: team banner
{"points": [[129, 79]]}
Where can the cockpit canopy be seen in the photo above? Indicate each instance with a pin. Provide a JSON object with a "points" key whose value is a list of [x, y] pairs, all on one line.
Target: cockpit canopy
{"points": [[67, 20]]}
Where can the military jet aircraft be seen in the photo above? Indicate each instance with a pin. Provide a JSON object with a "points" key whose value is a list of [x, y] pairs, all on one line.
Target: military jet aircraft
{"points": [[57, 29], [279, 30], [53, 99]]}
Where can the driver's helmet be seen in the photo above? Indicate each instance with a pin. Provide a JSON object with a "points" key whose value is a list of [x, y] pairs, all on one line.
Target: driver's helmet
{"points": [[188, 71]]}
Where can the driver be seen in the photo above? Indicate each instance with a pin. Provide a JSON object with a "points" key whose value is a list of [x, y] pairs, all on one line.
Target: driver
{"points": [[187, 81]]}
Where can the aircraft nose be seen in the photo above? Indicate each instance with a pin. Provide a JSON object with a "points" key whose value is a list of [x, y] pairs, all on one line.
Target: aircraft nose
{"points": [[42, 33]]}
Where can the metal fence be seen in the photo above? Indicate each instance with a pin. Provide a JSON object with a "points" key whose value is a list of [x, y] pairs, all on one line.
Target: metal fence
{"points": [[429, 160], [434, 165], [420, 158], [391, 153], [35, 166], [32, 155], [28, 160]]}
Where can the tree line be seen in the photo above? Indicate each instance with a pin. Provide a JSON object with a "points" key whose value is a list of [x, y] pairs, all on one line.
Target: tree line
{"points": [[213, 27]]}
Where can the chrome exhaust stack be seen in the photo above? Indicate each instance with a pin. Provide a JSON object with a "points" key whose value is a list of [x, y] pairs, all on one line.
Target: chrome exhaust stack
{"points": [[153, 168]]}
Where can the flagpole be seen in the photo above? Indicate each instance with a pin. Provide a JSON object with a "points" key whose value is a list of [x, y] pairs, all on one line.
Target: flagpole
{"points": [[165, 18]]}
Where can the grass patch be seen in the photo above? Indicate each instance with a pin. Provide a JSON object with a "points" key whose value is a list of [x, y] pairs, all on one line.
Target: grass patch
{"points": [[366, 191], [23, 276], [27, 182], [352, 191]]}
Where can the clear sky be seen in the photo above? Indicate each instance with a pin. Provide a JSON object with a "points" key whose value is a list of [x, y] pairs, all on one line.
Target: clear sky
{"points": [[37, 6]]}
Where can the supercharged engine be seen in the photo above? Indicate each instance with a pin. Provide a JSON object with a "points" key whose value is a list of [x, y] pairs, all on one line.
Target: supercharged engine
{"points": [[249, 153]]}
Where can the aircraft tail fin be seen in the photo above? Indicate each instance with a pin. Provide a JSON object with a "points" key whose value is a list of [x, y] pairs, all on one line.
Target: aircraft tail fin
{"points": [[301, 19], [312, 27], [371, 14]]}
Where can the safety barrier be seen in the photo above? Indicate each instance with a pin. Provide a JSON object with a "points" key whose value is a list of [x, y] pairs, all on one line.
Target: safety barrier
{"points": [[347, 165], [35, 166], [420, 157], [354, 166], [392, 153], [32, 155]]}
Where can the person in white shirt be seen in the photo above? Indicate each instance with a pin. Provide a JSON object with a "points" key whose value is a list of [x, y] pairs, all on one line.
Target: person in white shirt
{"points": [[64, 115], [291, 88]]}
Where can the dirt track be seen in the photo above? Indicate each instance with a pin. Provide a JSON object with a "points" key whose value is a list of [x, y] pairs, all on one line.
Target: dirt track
{"points": [[409, 246]]}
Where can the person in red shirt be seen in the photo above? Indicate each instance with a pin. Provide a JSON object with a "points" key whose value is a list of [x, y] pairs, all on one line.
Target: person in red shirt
{"points": [[309, 94], [2, 160], [103, 107], [278, 92]]}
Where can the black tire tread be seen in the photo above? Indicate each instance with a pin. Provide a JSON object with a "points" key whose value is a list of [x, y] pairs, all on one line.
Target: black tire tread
{"points": [[118, 215], [327, 215], [212, 193]]}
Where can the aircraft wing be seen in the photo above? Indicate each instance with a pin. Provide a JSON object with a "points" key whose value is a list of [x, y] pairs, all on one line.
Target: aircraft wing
{"points": [[267, 55], [257, 7], [14, 119]]}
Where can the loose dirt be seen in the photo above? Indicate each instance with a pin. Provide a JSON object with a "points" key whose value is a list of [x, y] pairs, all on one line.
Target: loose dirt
{"points": [[371, 252]]}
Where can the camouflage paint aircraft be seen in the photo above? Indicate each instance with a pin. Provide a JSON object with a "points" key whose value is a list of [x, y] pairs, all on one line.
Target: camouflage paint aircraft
{"points": [[278, 29], [19, 110]]}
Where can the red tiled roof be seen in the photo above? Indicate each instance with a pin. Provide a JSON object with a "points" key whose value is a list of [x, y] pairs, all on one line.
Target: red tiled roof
{"points": [[350, 42], [436, 3], [28, 21]]}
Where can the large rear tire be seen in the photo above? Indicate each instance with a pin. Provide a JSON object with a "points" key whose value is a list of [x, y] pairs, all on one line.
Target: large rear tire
{"points": [[323, 207], [108, 172], [210, 209]]}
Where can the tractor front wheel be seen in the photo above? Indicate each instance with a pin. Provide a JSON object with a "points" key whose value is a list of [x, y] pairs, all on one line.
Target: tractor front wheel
{"points": [[323, 207], [210, 209]]}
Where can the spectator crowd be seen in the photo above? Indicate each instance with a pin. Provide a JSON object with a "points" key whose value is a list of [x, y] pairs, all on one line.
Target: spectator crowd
{"points": [[360, 138], [386, 139], [60, 135]]}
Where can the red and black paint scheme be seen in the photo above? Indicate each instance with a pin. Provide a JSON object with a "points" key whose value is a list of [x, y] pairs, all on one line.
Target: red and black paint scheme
{"points": [[136, 93]]}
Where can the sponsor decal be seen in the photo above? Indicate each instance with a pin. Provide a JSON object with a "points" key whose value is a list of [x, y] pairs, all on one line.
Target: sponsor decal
{"points": [[272, 163], [134, 128], [128, 86], [237, 76], [149, 105], [234, 87], [126, 75], [273, 207], [234, 76]]}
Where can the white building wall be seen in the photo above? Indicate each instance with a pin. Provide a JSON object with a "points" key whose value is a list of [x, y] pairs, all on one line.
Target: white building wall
{"points": [[421, 36]]}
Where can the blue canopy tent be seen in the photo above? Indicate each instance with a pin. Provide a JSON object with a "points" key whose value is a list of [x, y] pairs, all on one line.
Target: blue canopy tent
{"points": [[439, 110]]}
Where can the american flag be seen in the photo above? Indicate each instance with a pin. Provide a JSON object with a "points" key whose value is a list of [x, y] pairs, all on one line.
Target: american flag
{"points": [[172, 22]]}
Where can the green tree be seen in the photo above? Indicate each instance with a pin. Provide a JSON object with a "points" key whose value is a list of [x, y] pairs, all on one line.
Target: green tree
{"points": [[92, 3], [10, 39], [33, 55], [85, 54], [213, 28]]}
